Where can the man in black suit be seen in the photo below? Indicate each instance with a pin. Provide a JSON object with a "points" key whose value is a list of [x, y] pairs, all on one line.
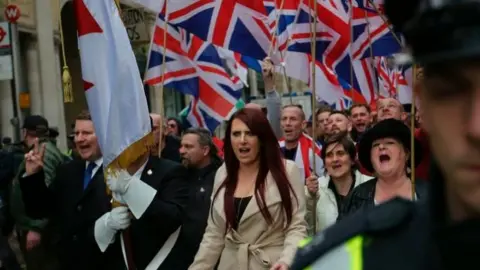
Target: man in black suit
{"points": [[74, 200], [156, 193]]}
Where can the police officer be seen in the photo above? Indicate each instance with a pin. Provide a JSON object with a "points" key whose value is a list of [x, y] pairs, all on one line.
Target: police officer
{"points": [[444, 37]]}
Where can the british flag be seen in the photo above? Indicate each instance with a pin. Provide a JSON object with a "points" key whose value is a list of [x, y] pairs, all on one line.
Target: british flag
{"points": [[344, 42], [372, 33], [282, 15], [238, 25], [394, 80], [193, 67]]}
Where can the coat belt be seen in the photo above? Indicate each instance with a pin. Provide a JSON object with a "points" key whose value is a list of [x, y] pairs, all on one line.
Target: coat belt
{"points": [[234, 240]]}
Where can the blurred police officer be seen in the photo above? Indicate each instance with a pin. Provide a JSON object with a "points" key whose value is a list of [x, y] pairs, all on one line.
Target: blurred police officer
{"points": [[444, 37]]}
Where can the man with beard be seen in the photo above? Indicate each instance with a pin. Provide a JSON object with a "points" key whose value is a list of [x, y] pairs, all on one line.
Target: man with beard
{"points": [[443, 233], [199, 155], [361, 120], [296, 145], [339, 123]]}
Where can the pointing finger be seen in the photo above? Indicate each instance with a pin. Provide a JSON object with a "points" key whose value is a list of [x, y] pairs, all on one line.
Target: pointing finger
{"points": [[35, 146], [42, 151]]}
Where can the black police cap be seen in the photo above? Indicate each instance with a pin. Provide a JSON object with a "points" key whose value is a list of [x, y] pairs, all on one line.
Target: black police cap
{"points": [[437, 30]]}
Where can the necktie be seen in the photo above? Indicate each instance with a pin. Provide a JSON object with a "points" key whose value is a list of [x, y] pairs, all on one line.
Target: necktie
{"points": [[88, 174]]}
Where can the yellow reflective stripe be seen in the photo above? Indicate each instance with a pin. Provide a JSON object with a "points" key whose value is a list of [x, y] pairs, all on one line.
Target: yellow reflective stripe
{"points": [[355, 248], [304, 242]]}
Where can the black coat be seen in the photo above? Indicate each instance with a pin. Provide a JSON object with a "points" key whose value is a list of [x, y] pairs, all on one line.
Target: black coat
{"points": [[195, 220], [148, 234], [72, 210], [398, 234], [363, 196]]}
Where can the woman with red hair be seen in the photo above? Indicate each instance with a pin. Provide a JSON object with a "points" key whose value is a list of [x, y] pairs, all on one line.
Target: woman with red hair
{"points": [[257, 216]]}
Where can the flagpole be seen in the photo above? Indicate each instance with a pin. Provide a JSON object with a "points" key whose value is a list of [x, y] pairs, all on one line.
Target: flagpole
{"points": [[372, 64], [412, 137], [162, 82], [313, 28], [270, 51], [351, 51]]}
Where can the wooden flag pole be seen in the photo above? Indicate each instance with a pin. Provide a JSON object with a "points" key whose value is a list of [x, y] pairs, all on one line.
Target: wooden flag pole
{"points": [[372, 61], [162, 83], [412, 137], [270, 51], [313, 29]]}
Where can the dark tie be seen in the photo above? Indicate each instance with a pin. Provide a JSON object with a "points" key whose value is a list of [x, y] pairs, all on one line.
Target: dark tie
{"points": [[88, 174]]}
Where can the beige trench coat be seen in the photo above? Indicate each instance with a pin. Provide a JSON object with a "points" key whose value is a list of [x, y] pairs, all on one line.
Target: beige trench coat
{"points": [[255, 245]]}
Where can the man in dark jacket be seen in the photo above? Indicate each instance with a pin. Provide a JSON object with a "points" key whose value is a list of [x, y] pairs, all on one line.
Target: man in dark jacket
{"points": [[154, 190], [36, 240], [199, 155], [444, 233]]}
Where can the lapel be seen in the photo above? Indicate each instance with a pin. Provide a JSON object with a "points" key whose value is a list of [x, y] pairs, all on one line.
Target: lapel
{"points": [[272, 196], [150, 171]]}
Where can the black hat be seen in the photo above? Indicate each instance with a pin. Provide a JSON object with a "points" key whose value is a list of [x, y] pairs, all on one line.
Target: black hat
{"points": [[53, 132], [36, 123], [389, 128], [436, 32]]}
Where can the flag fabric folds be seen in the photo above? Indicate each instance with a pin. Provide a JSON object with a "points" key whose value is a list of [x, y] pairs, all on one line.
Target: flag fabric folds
{"points": [[112, 83]]}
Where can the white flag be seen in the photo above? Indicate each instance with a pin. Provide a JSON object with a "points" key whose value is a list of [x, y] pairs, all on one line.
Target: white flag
{"points": [[112, 83]]}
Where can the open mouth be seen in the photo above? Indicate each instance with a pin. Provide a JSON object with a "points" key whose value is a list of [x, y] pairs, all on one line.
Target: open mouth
{"points": [[288, 131], [244, 150], [83, 147], [336, 166], [384, 158]]}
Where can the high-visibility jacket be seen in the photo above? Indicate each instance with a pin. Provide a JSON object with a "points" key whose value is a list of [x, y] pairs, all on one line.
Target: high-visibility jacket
{"points": [[388, 237]]}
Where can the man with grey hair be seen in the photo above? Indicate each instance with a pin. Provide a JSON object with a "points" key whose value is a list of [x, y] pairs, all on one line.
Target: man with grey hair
{"points": [[199, 154]]}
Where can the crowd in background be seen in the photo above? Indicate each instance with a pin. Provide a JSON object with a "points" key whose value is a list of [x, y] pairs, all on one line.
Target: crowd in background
{"points": [[243, 201]]}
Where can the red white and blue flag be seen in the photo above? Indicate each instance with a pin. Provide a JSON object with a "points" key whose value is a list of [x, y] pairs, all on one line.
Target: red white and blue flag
{"points": [[238, 25], [305, 155], [193, 67], [394, 81]]}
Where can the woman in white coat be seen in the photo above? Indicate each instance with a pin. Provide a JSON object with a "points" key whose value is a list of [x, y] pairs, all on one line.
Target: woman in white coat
{"points": [[329, 192]]}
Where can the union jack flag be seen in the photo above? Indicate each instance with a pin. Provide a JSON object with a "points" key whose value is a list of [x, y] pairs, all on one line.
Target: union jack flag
{"points": [[238, 25], [346, 37], [283, 12], [393, 80], [193, 67], [372, 33], [370, 5]]}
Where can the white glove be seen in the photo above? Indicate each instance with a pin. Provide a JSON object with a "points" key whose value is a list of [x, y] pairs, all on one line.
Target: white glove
{"points": [[107, 226], [132, 191], [119, 182], [118, 219]]}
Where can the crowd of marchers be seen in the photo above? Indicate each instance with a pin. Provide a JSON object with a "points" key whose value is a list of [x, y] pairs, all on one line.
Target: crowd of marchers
{"points": [[244, 201]]}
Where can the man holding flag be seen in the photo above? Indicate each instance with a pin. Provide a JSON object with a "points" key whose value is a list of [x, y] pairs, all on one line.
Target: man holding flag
{"points": [[151, 189]]}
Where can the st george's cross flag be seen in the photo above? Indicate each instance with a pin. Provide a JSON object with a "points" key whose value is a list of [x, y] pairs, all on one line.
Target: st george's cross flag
{"points": [[112, 83]]}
